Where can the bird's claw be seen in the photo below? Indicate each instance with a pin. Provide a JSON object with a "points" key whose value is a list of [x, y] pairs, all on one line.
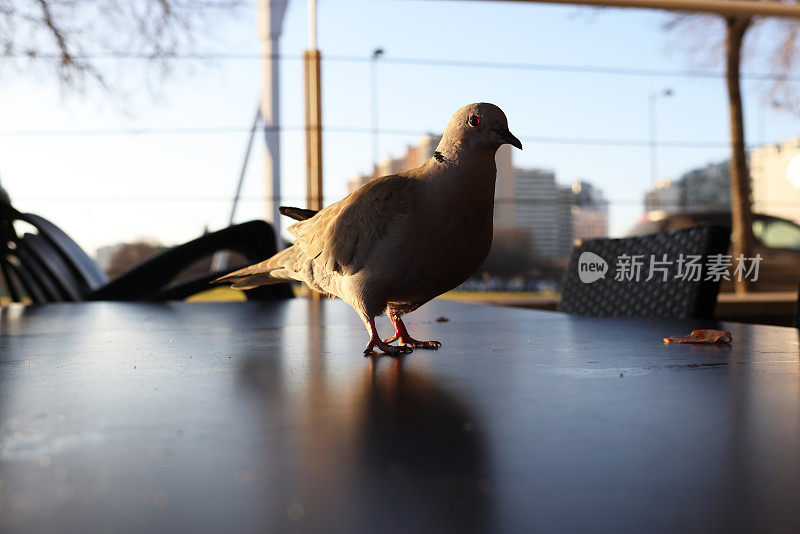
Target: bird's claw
{"points": [[433, 345], [398, 350], [410, 342], [389, 350]]}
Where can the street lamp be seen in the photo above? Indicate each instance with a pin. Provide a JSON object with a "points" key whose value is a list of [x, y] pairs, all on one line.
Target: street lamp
{"points": [[653, 149], [377, 53]]}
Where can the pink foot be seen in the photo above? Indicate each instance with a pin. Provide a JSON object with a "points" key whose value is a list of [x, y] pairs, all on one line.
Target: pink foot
{"points": [[406, 340], [376, 341]]}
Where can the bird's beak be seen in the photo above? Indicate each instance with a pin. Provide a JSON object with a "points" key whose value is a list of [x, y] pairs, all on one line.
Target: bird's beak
{"points": [[508, 137]]}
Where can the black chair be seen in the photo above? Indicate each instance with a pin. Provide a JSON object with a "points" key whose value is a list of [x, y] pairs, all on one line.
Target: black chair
{"points": [[48, 266], [674, 297]]}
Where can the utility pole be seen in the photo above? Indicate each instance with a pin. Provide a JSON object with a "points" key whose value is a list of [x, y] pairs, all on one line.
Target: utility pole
{"points": [[311, 61], [270, 21]]}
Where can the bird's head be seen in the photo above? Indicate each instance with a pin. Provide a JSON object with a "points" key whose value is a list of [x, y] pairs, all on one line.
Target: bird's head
{"points": [[479, 126]]}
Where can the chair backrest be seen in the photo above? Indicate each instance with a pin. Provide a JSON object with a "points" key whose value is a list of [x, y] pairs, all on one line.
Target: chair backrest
{"points": [[22, 282], [152, 279], [45, 285], [84, 267], [46, 266], [62, 281], [601, 278]]}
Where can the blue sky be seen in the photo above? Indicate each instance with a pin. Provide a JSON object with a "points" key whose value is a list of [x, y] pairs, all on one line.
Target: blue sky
{"points": [[104, 189]]}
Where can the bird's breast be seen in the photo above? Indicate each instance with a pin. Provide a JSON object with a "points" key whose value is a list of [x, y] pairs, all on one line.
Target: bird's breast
{"points": [[443, 255]]}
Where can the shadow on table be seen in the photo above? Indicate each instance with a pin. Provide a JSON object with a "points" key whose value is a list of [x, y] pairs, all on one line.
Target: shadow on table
{"points": [[419, 445], [384, 449]]}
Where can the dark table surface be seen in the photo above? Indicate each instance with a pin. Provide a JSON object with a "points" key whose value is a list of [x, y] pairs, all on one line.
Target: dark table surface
{"points": [[241, 417]]}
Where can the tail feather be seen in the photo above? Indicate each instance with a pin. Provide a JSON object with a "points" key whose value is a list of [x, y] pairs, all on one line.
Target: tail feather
{"points": [[271, 271], [298, 214]]}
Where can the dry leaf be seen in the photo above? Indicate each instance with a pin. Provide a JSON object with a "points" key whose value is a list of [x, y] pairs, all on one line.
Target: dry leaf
{"points": [[702, 336]]}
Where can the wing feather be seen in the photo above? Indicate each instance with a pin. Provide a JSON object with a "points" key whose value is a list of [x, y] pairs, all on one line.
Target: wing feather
{"points": [[340, 237]]}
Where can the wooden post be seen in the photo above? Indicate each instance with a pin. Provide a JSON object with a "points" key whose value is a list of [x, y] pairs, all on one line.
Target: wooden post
{"points": [[313, 93], [311, 61]]}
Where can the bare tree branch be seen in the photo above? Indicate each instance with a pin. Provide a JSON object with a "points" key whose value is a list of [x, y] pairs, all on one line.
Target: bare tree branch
{"points": [[60, 32], [702, 38]]}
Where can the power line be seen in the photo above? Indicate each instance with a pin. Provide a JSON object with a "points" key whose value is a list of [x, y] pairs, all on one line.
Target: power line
{"points": [[423, 62], [213, 130], [191, 130], [583, 69], [296, 199], [99, 132]]}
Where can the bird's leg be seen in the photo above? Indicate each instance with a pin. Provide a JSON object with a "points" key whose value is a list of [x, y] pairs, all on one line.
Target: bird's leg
{"points": [[405, 339], [376, 341]]}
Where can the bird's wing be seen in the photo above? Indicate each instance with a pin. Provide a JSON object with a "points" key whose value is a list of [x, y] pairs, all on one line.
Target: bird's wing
{"points": [[340, 237]]}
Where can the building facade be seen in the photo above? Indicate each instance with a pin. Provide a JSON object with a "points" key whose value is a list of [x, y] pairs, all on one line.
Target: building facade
{"points": [[533, 201], [589, 211], [775, 171], [665, 196], [704, 188]]}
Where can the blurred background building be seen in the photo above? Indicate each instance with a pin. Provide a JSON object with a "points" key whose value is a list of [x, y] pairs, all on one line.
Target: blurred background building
{"points": [[589, 211], [775, 170], [705, 188], [533, 201]]}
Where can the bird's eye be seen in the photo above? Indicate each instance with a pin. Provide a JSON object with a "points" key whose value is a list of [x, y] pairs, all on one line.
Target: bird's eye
{"points": [[474, 120]]}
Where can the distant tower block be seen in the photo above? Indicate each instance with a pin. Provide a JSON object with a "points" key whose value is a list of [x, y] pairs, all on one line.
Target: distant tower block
{"points": [[270, 21]]}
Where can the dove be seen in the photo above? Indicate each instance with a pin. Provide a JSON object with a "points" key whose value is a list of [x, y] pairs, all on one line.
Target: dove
{"points": [[400, 240]]}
